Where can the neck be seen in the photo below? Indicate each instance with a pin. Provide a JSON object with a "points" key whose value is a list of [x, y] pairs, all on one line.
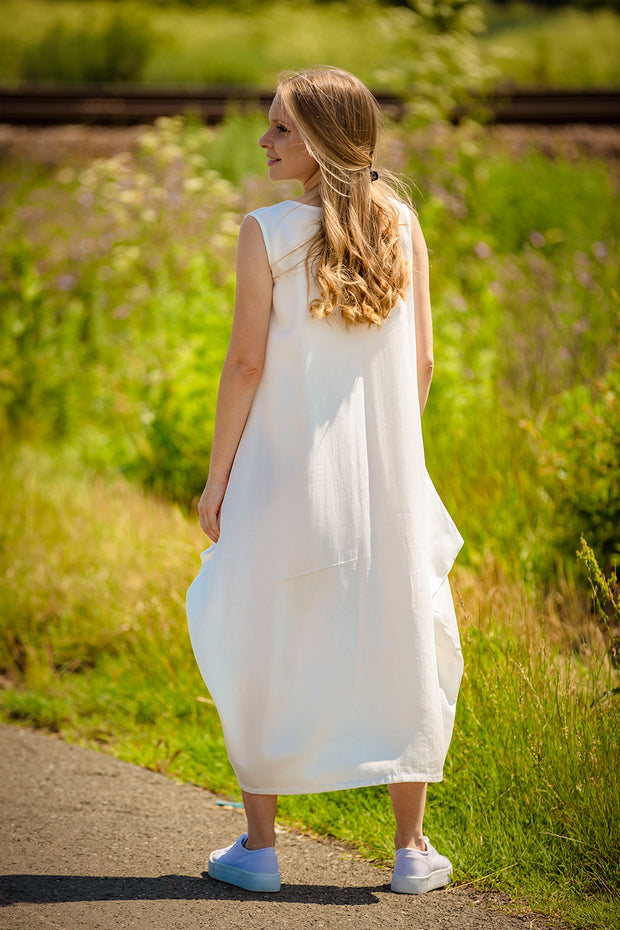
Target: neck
{"points": [[311, 193], [310, 201]]}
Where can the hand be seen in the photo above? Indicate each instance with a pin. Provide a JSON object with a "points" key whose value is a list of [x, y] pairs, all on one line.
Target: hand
{"points": [[209, 507]]}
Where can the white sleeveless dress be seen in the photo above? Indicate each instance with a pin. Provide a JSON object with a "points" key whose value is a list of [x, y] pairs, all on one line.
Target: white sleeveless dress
{"points": [[322, 620]]}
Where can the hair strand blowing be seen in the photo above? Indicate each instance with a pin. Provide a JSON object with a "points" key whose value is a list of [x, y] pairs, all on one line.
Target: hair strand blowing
{"points": [[355, 257]]}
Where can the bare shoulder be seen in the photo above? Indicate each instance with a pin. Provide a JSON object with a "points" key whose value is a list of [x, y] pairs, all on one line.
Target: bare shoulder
{"points": [[251, 248], [250, 229], [417, 236]]}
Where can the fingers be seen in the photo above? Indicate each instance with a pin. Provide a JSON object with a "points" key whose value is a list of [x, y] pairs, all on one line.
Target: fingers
{"points": [[209, 523], [209, 507], [210, 531]]}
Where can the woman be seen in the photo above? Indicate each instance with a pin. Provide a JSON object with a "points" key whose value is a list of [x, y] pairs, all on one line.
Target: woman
{"points": [[322, 619]]}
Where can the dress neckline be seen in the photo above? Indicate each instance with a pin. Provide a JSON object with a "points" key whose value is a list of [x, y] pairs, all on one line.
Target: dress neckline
{"points": [[300, 204]]}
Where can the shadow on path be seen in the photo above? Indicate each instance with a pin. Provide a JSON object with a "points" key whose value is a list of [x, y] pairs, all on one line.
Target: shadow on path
{"points": [[53, 889]]}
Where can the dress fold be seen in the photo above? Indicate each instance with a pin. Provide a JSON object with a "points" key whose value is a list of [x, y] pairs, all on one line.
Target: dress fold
{"points": [[322, 620]]}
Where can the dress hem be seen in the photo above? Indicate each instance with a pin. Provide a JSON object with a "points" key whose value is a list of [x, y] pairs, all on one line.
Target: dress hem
{"points": [[345, 786]]}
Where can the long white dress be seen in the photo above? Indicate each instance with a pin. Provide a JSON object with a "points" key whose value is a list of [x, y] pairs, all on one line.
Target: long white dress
{"points": [[322, 620]]}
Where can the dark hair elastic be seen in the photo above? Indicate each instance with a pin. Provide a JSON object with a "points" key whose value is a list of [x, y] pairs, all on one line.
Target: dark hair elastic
{"points": [[374, 175]]}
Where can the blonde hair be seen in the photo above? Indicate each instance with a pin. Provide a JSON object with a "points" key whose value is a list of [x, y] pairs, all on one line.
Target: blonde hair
{"points": [[356, 257]]}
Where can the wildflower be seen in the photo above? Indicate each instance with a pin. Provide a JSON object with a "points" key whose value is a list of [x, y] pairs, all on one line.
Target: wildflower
{"points": [[65, 176], [65, 282], [130, 196], [482, 250]]}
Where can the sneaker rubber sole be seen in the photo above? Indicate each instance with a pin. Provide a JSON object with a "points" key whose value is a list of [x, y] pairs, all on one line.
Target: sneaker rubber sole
{"points": [[251, 881], [409, 884]]}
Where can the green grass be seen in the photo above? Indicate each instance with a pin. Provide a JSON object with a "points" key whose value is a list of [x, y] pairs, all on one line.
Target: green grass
{"points": [[526, 321], [94, 647], [120, 356], [554, 48], [125, 319], [220, 45], [147, 42], [116, 292]]}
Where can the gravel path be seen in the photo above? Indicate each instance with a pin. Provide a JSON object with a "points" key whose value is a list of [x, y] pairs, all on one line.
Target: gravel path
{"points": [[92, 843]]}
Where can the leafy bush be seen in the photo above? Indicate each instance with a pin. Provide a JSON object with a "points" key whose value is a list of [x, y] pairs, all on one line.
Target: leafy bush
{"points": [[113, 339], [117, 279], [580, 463], [436, 60], [524, 293]]}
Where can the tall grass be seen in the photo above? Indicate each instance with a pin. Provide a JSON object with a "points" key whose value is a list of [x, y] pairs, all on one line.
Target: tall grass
{"points": [[125, 321], [113, 336], [116, 292], [95, 647], [524, 282]]}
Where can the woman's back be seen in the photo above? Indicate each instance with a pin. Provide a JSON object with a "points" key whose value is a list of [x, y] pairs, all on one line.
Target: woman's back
{"points": [[322, 619], [326, 597]]}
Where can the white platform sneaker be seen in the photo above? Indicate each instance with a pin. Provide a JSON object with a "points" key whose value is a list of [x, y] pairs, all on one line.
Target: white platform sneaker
{"points": [[252, 869], [416, 872]]}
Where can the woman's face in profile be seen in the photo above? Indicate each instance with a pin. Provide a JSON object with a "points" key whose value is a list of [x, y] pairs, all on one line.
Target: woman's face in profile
{"points": [[287, 156]]}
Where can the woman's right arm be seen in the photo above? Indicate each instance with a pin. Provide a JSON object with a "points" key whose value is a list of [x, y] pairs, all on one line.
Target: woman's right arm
{"points": [[242, 369], [423, 318]]}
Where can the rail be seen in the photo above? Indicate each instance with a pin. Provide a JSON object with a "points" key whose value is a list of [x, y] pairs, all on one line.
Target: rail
{"points": [[46, 105]]}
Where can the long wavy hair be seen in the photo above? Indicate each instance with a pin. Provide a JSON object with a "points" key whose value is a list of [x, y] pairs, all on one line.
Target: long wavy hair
{"points": [[355, 257]]}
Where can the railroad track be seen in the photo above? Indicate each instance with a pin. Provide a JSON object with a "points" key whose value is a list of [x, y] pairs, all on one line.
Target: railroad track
{"points": [[109, 105]]}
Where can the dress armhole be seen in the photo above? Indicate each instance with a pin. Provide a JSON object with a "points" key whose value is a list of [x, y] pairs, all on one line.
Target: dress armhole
{"points": [[257, 215]]}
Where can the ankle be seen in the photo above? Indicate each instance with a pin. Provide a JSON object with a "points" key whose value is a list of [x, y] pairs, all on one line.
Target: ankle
{"points": [[257, 841], [410, 841]]}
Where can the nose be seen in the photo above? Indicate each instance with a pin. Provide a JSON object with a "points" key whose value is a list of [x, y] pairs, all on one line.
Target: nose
{"points": [[264, 140]]}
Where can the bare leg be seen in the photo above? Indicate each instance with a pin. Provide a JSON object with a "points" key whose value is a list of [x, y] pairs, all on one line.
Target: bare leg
{"points": [[408, 801], [260, 810]]}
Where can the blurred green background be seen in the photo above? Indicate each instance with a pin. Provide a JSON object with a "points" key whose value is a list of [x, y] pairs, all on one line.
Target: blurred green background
{"points": [[388, 44], [116, 293]]}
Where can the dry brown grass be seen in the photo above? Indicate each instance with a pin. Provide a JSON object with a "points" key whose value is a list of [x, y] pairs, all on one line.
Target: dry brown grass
{"points": [[562, 616]]}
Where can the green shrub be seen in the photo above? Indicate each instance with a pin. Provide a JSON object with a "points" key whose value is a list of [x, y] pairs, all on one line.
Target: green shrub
{"points": [[525, 310], [580, 463], [113, 338], [117, 284]]}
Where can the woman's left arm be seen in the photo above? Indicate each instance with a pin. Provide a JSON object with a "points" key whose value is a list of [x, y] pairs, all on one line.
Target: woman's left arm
{"points": [[242, 369], [422, 308]]}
